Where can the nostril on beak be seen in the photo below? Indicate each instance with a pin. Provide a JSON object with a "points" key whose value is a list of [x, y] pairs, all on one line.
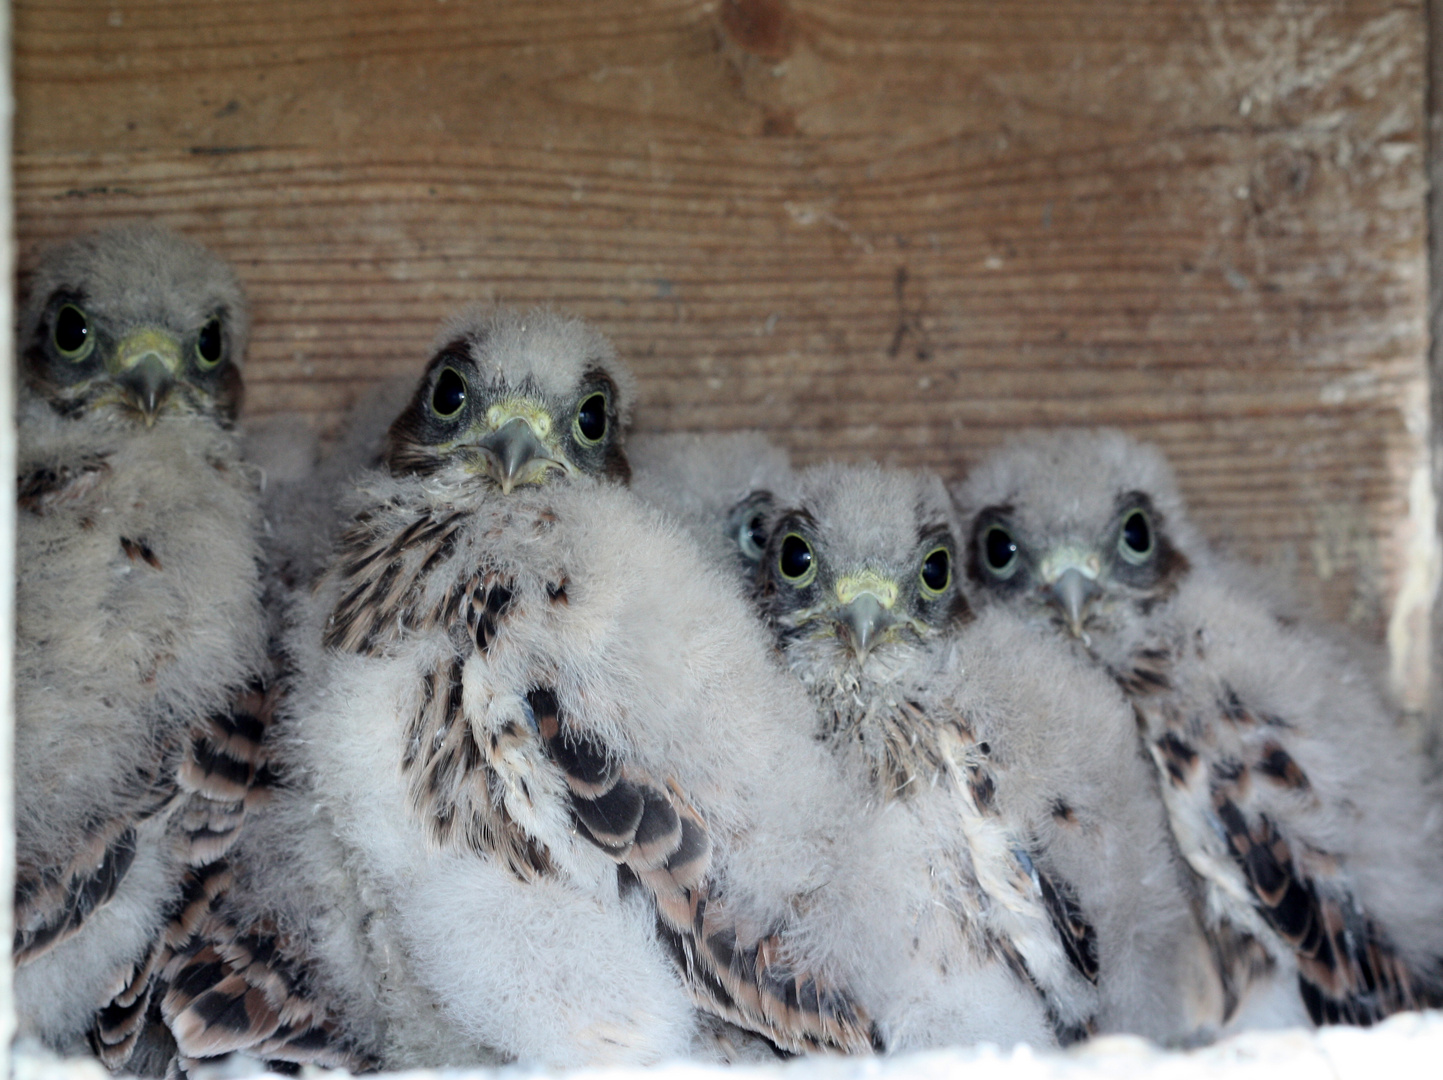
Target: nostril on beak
{"points": [[148, 382], [510, 449], [863, 621], [1073, 592]]}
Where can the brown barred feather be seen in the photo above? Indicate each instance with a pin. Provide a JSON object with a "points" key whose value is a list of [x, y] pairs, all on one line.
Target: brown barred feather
{"points": [[201, 890], [204, 787], [1348, 970], [117, 1027], [221, 761], [234, 989], [662, 843], [52, 902], [655, 836], [222, 774]]}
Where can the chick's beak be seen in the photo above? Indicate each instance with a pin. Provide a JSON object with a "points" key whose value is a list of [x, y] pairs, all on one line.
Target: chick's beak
{"points": [[145, 368], [514, 454], [1072, 592], [863, 622]]}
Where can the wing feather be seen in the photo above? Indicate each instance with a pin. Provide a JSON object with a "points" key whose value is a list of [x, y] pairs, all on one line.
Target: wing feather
{"points": [[662, 843], [235, 988], [659, 840], [1349, 970]]}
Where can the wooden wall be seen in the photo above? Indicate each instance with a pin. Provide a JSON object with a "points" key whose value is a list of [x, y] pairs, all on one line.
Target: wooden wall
{"points": [[890, 228]]}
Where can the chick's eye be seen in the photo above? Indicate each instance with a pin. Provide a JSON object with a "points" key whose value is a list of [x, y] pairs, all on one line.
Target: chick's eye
{"points": [[591, 419], [210, 345], [752, 537], [1135, 541], [999, 550], [795, 561], [72, 333], [449, 394], [937, 570]]}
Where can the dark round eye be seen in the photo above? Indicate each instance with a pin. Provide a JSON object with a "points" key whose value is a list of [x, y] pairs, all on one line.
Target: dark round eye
{"points": [[210, 345], [937, 570], [1135, 542], [449, 395], [795, 561], [591, 419], [72, 332], [752, 536], [1000, 550]]}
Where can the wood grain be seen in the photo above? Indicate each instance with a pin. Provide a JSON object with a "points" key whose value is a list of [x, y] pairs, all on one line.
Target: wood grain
{"points": [[874, 228]]}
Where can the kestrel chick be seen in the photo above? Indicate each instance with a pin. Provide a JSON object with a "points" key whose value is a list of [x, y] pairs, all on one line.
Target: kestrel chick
{"points": [[1291, 792], [550, 741], [1036, 819], [140, 634]]}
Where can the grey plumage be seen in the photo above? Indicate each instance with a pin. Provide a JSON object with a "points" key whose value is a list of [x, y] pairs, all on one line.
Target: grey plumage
{"points": [[304, 476], [560, 776], [1044, 845], [722, 486], [138, 621], [1292, 793]]}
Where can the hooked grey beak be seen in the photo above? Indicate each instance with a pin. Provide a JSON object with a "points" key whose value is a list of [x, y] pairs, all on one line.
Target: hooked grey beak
{"points": [[1072, 592], [513, 454], [147, 383], [863, 621]]}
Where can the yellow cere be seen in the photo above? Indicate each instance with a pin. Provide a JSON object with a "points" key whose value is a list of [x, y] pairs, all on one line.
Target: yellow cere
{"points": [[851, 586], [508, 409], [1071, 557], [143, 343]]}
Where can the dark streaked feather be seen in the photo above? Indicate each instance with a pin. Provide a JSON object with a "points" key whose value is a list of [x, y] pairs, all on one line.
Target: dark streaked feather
{"points": [[1078, 938], [43, 490], [456, 789], [1147, 672], [452, 785], [901, 746], [53, 901], [382, 576], [1348, 969], [222, 774], [1177, 757], [139, 551], [201, 891], [662, 843], [52, 904], [1035, 884], [205, 787], [490, 602]]}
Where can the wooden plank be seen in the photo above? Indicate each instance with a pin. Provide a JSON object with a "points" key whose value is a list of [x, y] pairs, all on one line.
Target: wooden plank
{"points": [[874, 228], [8, 510]]}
